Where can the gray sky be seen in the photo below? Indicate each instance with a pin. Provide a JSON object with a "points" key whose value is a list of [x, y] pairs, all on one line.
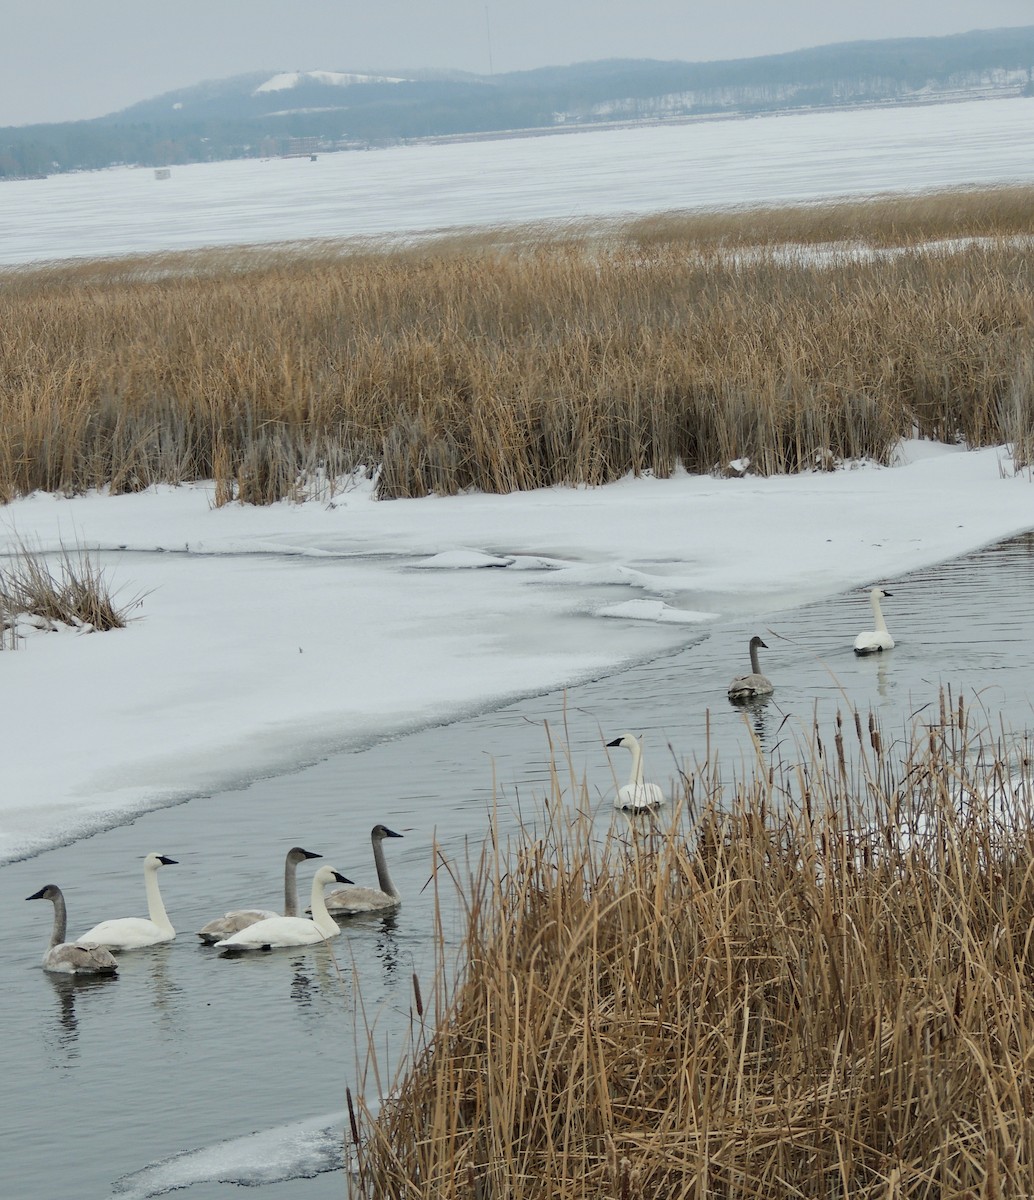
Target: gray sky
{"points": [[67, 59]]}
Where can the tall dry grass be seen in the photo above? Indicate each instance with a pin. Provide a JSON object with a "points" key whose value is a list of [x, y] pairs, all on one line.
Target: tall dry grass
{"points": [[509, 361], [64, 589], [818, 981]]}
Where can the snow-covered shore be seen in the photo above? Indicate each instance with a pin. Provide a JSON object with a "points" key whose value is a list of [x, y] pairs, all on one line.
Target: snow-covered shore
{"points": [[266, 637]]}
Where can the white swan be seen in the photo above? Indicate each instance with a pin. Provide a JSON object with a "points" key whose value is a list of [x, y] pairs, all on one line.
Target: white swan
{"points": [[749, 687], [350, 900], [292, 931], [131, 933], [636, 796], [66, 957], [875, 640], [241, 918]]}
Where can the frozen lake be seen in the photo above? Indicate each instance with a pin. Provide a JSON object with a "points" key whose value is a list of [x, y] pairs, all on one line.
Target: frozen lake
{"points": [[153, 1078], [420, 188]]}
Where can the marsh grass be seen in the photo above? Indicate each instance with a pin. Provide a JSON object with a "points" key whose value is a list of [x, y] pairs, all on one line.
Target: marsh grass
{"points": [[519, 359], [69, 589], [816, 981]]}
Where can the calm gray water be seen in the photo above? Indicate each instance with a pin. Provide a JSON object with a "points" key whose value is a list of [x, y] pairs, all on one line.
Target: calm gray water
{"points": [[140, 1084]]}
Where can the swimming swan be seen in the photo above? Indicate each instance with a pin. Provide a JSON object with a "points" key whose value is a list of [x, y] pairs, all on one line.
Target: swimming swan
{"points": [[348, 901], [131, 933], [875, 640], [748, 687], [292, 931], [67, 957], [636, 796], [241, 918]]}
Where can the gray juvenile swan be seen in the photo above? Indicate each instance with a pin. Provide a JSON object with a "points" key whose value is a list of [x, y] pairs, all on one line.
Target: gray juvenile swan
{"points": [[875, 640], [131, 933], [748, 687], [348, 901], [636, 796], [292, 931], [241, 918], [66, 957]]}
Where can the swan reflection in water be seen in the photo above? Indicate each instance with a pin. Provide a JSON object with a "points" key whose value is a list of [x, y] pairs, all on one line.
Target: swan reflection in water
{"points": [[70, 990]]}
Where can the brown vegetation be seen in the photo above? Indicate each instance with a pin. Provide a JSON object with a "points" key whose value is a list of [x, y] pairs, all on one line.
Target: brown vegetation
{"points": [[515, 360], [816, 982], [66, 589]]}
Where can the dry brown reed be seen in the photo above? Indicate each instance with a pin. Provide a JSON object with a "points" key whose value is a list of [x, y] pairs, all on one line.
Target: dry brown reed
{"points": [[66, 589], [816, 982], [512, 360]]}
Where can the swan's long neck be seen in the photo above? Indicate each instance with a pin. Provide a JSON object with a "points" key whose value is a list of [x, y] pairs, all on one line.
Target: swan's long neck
{"points": [[877, 613], [318, 907], [383, 878], [155, 907], [290, 887], [755, 666], [637, 763], [60, 921]]}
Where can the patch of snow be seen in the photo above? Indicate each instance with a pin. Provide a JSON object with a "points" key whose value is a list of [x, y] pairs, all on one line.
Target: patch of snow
{"points": [[292, 79]]}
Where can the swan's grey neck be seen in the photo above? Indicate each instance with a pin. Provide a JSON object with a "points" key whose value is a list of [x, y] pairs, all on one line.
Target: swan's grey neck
{"points": [[383, 878], [755, 666], [877, 612], [290, 887], [60, 919], [321, 917], [155, 907]]}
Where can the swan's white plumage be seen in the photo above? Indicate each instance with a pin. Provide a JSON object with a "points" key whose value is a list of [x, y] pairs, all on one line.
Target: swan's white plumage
{"points": [[67, 958], [750, 687], [133, 933], [636, 796], [350, 901], [292, 931], [240, 918], [872, 641]]}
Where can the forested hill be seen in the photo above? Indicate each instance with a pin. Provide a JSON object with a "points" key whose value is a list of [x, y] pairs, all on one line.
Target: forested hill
{"points": [[270, 113]]}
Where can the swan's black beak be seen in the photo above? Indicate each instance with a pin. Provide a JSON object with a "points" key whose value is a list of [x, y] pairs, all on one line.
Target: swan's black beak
{"points": [[339, 878], [167, 862], [615, 742], [37, 895], [391, 833], [310, 854]]}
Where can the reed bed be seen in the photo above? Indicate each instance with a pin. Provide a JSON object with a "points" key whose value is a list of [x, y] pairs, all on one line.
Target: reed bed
{"points": [[520, 359], [816, 981]]}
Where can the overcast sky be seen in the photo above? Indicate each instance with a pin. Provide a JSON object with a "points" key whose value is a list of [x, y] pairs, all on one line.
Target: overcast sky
{"points": [[66, 59]]}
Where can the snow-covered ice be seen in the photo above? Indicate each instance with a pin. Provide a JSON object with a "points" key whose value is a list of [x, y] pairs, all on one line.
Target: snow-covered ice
{"points": [[412, 190]]}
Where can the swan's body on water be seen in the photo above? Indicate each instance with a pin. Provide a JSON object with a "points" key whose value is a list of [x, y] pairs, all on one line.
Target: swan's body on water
{"points": [[749, 687], [132, 933], [636, 796], [292, 931], [349, 901], [240, 918], [872, 641], [68, 958]]}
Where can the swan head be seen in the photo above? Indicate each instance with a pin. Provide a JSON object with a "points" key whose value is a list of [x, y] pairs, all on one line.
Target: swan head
{"points": [[756, 643], [50, 892], [382, 831], [328, 875], [296, 855], [878, 593], [153, 861], [626, 739]]}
